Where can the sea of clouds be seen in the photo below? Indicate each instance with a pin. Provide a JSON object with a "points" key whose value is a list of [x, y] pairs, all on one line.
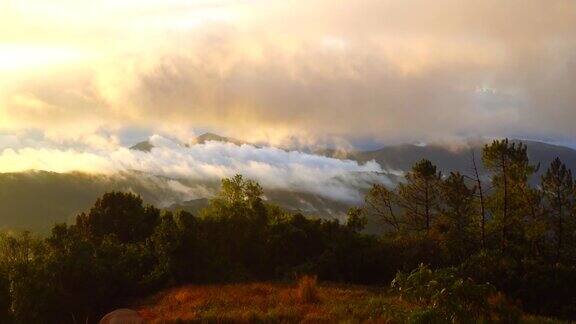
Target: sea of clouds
{"points": [[184, 167]]}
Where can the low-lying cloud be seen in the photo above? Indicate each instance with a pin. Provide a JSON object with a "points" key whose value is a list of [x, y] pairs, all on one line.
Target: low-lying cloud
{"points": [[187, 167]]}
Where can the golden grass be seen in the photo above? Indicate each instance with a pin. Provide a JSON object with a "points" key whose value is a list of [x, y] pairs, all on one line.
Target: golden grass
{"points": [[306, 302], [308, 289]]}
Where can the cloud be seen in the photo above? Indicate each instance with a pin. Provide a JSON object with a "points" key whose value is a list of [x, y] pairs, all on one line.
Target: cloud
{"points": [[276, 71], [187, 168]]}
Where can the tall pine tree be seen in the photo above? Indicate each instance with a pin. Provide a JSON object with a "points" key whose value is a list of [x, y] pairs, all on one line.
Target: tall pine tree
{"points": [[420, 195], [511, 169], [558, 189]]}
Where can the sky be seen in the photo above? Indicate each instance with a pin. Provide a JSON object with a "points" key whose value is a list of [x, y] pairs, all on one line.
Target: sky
{"points": [[276, 71], [80, 75]]}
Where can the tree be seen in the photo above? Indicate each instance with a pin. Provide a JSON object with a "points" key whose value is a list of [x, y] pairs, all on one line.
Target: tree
{"points": [[237, 190], [457, 223], [31, 290], [5, 296], [238, 198], [356, 221], [238, 218], [120, 214], [175, 243], [481, 198], [558, 190], [381, 202], [419, 196], [508, 161]]}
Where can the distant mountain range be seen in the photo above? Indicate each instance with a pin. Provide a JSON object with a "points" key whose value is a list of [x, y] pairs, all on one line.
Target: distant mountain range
{"points": [[36, 200], [402, 157]]}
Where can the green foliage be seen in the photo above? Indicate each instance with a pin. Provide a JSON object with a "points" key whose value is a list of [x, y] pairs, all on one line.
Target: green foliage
{"points": [[75, 270], [356, 221], [427, 315], [458, 223], [120, 214], [509, 160], [558, 191], [445, 296], [177, 247], [512, 198], [5, 297], [238, 191]]}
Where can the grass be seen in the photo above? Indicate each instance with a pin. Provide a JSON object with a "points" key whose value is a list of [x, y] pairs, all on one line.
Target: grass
{"points": [[269, 303], [305, 302], [308, 289]]}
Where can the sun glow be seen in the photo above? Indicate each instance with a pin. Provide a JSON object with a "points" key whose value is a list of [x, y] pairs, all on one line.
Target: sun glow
{"points": [[16, 57]]}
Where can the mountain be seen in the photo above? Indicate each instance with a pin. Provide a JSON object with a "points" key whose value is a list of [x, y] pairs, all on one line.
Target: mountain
{"points": [[146, 146], [207, 137], [402, 157]]}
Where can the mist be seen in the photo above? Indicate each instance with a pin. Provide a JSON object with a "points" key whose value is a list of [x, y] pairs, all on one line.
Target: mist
{"points": [[185, 166]]}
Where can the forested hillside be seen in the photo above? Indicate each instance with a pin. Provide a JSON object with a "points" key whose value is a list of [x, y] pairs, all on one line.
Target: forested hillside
{"points": [[60, 196], [455, 247]]}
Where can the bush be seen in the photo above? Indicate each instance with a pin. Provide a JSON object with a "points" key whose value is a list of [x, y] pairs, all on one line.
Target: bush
{"points": [[443, 293], [426, 315]]}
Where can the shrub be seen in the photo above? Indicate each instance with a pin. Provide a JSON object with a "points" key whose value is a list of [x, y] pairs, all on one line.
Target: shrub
{"points": [[443, 293], [308, 289], [502, 310], [426, 315]]}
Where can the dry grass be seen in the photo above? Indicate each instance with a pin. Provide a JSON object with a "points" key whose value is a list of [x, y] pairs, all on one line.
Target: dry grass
{"points": [[306, 302], [308, 289]]}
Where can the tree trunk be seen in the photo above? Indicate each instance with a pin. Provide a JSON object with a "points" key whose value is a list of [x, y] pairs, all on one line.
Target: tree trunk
{"points": [[505, 211], [482, 207]]}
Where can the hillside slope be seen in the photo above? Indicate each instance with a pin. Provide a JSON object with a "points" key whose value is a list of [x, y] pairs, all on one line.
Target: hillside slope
{"points": [[402, 157], [36, 200]]}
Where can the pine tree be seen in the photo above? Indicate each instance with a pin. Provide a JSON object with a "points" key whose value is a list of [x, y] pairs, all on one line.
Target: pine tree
{"points": [[420, 195], [481, 200], [508, 161], [457, 225], [381, 202], [558, 189]]}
